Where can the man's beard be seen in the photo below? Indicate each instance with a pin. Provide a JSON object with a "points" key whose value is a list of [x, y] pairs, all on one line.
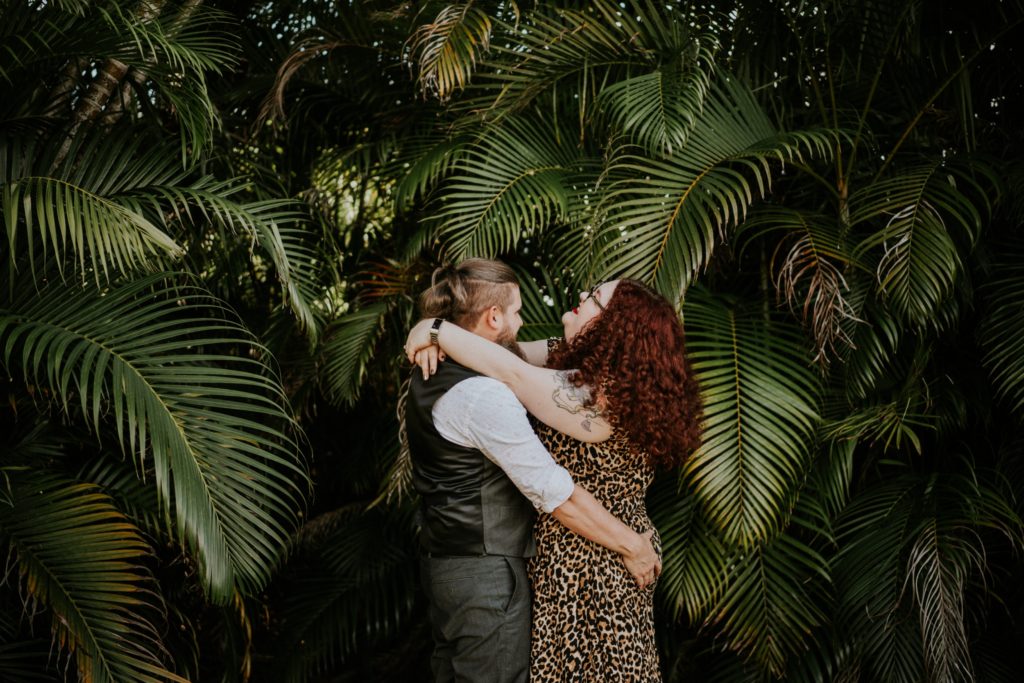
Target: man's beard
{"points": [[508, 341]]}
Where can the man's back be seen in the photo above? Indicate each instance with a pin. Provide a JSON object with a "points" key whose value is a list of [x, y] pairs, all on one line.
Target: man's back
{"points": [[470, 507]]}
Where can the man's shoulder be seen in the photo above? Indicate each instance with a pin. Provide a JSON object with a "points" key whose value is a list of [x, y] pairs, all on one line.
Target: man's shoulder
{"points": [[481, 385]]}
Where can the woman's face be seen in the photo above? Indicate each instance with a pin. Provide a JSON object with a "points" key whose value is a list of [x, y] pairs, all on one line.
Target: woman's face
{"points": [[591, 305]]}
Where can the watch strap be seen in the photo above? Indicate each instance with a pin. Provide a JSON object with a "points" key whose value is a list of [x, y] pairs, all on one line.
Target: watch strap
{"points": [[434, 328]]}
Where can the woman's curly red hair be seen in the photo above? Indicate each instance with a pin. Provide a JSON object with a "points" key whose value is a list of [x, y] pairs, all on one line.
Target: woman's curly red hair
{"points": [[634, 354]]}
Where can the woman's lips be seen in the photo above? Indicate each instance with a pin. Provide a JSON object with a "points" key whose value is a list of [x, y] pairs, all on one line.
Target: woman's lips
{"points": [[576, 310]]}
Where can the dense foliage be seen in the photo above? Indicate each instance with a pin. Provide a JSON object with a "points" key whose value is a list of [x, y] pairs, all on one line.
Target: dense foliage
{"points": [[218, 215]]}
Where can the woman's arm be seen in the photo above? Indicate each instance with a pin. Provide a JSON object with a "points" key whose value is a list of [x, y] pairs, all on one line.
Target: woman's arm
{"points": [[536, 352], [548, 394]]}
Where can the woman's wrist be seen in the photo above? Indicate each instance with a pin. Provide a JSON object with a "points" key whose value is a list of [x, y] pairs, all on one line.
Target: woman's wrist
{"points": [[435, 329]]}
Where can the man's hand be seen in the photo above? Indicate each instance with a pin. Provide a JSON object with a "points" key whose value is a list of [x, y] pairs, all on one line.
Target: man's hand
{"points": [[583, 514], [643, 561]]}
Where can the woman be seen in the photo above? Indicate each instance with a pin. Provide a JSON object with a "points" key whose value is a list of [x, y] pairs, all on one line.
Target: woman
{"points": [[617, 399]]}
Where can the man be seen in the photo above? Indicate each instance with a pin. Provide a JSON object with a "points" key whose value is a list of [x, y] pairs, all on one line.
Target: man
{"points": [[480, 471]]}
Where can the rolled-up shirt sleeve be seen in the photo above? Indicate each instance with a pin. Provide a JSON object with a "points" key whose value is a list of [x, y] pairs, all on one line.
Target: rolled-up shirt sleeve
{"points": [[483, 413]]}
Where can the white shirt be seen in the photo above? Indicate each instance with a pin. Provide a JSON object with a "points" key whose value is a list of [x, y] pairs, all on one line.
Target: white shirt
{"points": [[483, 413]]}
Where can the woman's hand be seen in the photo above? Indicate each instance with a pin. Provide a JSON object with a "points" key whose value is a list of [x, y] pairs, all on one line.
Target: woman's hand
{"points": [[420, 351], [418, 339], [428, 359]]}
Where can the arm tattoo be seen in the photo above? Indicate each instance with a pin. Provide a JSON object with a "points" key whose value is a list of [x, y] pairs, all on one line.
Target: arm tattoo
{"points": [[572, 398]]}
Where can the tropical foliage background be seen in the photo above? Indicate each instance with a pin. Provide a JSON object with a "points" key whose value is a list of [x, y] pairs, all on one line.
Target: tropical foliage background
{"points": [[218, 214]]}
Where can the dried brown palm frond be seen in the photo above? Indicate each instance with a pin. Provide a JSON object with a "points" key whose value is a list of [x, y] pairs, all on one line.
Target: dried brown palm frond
{"points": [[807, 272]]}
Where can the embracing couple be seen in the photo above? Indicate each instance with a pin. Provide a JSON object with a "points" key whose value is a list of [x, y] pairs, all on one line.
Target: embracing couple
{"points": [[566, 595]]}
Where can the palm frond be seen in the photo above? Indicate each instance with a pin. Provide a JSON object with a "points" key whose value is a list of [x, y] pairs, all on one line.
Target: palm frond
{"points": [[29, 36], [176, 51], [349, 344], [359, 587], [509, 185], [551, 51], [81, 558], [147, 356], [938, 567], [909, 547], [664, 217], [920, 257], [550, 46], [198, 41], [774, 599], [810, 265], [81, 209], [658, 110], [427, 157], [873, 533], [761, 411], [448, 49], [696, 563], [543, 304], [1001, 331], [130, 492], [279, 226], [884, 425], [831, 475], [870, 360], [284, 235]]}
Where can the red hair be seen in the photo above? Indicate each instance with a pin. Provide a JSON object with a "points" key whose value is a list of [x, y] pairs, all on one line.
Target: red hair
{"points": [[633, 355]]}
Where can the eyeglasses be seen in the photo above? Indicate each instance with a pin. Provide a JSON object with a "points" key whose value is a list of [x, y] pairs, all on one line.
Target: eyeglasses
{"points": [[592, 294]]}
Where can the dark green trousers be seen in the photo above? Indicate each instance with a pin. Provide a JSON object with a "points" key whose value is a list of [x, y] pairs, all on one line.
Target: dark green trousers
{"points": [[480, 618]]}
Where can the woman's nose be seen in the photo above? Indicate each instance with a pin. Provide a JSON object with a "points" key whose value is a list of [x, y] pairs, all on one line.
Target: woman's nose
{"points": [[583, 296]]}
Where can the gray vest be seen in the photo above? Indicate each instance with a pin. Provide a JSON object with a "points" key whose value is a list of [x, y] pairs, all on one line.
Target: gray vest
{"points": [[469, 505]]}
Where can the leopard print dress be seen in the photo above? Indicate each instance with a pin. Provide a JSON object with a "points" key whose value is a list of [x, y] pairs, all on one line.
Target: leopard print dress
{"points": [[591, 623]]}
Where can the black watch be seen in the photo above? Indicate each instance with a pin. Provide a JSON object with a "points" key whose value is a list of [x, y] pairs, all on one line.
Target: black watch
{"points": [[434, 330]]}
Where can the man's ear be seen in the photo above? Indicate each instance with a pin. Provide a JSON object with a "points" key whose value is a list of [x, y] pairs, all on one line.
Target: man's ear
{"points": [[494, 318]]}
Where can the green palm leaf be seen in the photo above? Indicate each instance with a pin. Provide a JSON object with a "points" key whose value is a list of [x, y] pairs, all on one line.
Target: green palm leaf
{"points": [[28, 36], [148, 357], [774, 599], [511, 184], [548, 48], [81, 208], [349, 345], [658, 110], [278, 226], [115, 206], [663, 217], [448, 49], [544, 302], [175, 51], [870, 361], [82, 558], [357, 586], [696, 562], [553, 50], [1001, 332], [920, 257], [427, 158], [909, 546], [760, 410], [177, 42], [873, 532]]}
